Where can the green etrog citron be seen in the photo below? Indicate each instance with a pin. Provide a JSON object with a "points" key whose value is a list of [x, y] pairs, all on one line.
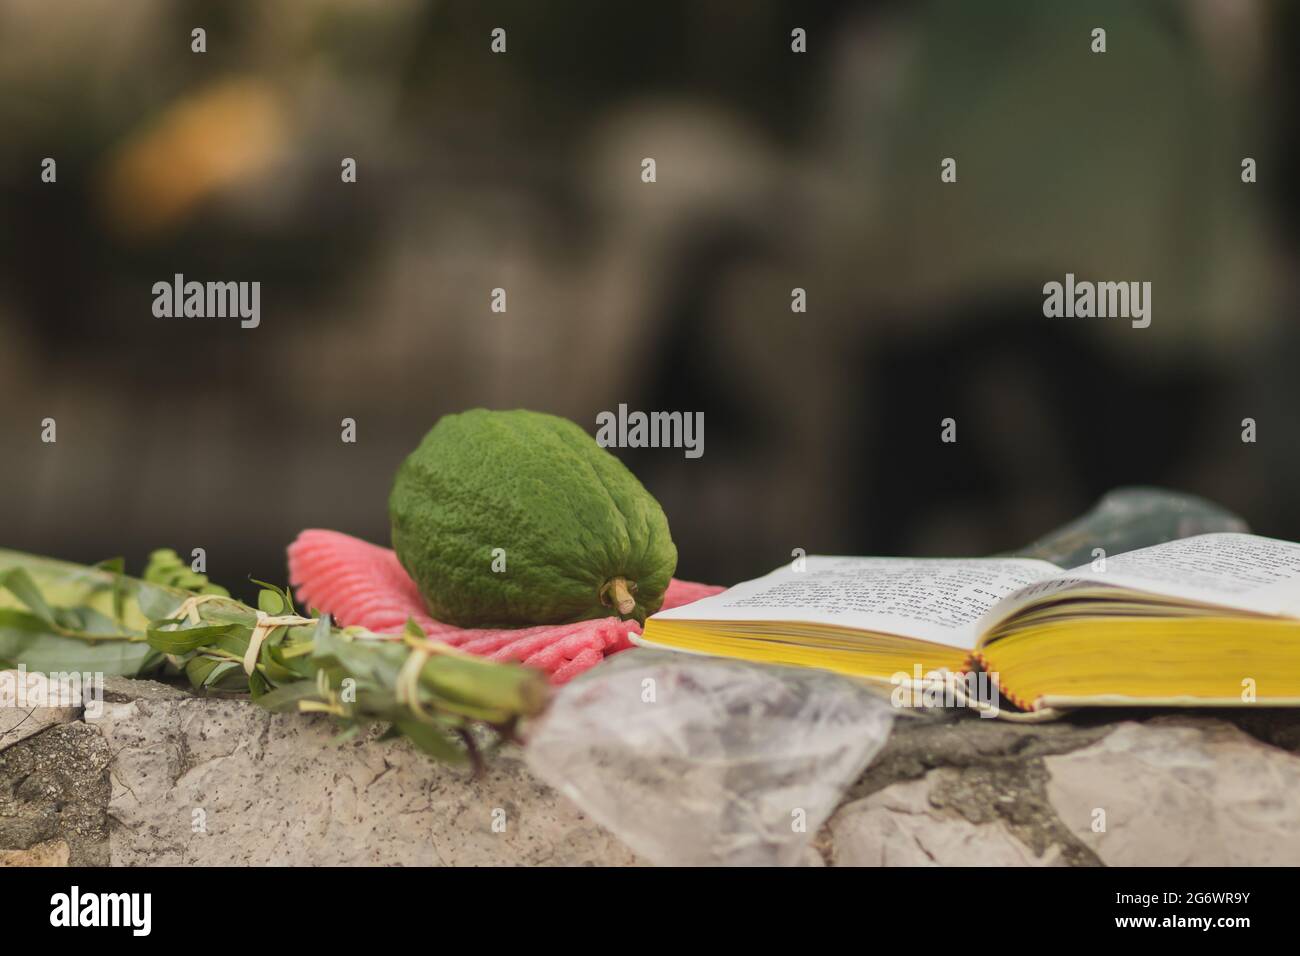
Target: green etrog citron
{"points": [[579, 536]]}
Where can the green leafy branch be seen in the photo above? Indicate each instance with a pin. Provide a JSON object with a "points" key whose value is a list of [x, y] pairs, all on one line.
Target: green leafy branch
{"points": [[59, 617]]}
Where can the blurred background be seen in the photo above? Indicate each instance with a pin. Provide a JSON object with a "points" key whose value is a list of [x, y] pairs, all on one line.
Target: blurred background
{"points": [[522, 170]]}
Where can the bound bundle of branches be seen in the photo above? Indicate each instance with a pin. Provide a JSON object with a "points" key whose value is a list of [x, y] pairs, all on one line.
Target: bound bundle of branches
{"points": [[58, 617]]}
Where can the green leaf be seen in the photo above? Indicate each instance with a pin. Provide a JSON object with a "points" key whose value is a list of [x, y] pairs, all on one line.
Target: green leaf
{"points": [[270, 602], [226, 674], [88, 624], [478, 683], [286, 697], [432, 741], [273, 667], [116, 567], [20, 584], [209, 672], [286, 599], [166, 567], [188, 639], [31, 644]]}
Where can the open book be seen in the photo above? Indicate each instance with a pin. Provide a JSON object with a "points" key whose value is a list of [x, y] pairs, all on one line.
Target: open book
{"points": [[1212, 620]]}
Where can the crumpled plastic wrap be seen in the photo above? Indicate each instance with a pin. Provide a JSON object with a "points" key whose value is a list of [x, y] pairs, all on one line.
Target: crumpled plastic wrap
{"points": [[700, 761]]}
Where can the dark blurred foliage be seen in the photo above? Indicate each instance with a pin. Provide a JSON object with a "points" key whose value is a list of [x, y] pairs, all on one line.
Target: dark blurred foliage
{"points": [[776, 170]]}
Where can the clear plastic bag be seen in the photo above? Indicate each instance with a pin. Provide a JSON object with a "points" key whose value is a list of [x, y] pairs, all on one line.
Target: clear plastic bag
{"points": [[704, 761]]}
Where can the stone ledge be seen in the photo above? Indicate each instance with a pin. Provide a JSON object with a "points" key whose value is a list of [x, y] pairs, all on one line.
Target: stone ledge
{"points": [[166, 778], [54, 786], [222, 782], [1104, 788]]}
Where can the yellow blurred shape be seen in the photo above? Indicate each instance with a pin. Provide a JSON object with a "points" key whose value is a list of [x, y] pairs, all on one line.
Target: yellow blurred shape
{"points": [[197, 146]]}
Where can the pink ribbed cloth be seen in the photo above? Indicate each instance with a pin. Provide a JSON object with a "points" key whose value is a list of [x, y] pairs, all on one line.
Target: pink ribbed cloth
{"points": [[360, 583]]}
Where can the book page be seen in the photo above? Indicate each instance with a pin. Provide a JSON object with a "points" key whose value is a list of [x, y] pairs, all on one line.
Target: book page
{"points": [[1240, 572], [930, 599]]}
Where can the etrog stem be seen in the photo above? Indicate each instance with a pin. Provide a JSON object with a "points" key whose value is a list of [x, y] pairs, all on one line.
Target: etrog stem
{"points": [[622, 597]]}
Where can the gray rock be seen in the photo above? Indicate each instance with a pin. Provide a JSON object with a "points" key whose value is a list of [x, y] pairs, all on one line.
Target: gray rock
{"points": [[23, 706], [947, 788], [952, 784], [50, 853], [222, 782], [1180, 791], [122, 689], [904, 825], [54, 786]]}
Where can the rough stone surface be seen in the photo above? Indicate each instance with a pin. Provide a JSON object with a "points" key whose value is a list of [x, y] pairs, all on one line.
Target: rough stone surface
{"points": [[50, 853], [953, 788], [907, 824], [19, 723], [54, 786], [119, 690], [977, 791], [1180, 792], [20, 720], [224, 782], [948, 788]]}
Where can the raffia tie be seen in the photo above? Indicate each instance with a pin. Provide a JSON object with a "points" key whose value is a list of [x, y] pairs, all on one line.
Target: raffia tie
{"points": [[189, 608], [265, 625], [408, 679]]}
